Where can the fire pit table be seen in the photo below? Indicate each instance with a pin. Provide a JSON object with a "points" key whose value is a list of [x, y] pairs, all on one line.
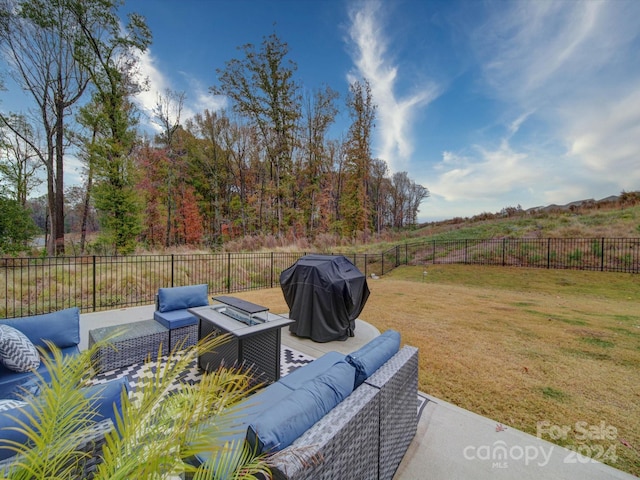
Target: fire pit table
{"points": [[255, 336]]}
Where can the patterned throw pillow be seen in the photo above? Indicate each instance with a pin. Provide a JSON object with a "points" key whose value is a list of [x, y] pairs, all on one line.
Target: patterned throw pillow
{"points": [[8, 404], [17, 353]]}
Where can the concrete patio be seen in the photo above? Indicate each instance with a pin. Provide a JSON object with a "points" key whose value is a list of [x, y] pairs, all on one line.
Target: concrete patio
{"points": [[451, 443]]}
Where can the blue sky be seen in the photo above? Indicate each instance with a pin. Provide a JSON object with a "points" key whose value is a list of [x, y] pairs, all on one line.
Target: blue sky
{"points": [[488, 104]]}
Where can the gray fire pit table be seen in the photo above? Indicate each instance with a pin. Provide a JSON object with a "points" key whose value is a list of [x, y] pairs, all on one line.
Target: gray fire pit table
{"points": [[255, 337]]}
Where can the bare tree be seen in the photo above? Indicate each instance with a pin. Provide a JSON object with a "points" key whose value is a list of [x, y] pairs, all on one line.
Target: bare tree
{"points": [[19, 162], [38, 40], [166, 114], [320, 111], [405, 199]]}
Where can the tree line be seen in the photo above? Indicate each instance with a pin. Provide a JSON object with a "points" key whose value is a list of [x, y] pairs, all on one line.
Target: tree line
{"points": [[265, 165]]}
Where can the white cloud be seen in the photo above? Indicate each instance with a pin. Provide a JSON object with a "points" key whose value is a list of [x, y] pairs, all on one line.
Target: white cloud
{"points": [[157, 83], [572, 68], [605, 138], [374, 63], [197, 97], [527, 47], [575, 64], [488, 175]]}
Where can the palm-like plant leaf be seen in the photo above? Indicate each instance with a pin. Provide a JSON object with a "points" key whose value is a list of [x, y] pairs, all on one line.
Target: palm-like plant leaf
{"points": [[60, 413], [161, 424]]}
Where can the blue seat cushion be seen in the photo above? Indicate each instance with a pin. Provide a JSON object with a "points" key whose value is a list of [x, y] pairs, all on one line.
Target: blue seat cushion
{"points": [[298, 377], [373, 355], [180, 298], [175, 318], [285, 421], [107, 398], [16, 385]]}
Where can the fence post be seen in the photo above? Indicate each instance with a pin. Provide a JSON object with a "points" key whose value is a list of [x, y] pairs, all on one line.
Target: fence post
{"points": [[406, 254], [434, 252], [548, 253], [465, 251], [397, 255], [271, 269], [365, 265], [94, 283], [602, 255], [172, 269], [382, 258], [228, 272]]}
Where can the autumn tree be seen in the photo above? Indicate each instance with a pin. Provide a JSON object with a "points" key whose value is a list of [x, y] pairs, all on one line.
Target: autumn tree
{"points": [[108, 52], [262, 88], [356, 207], [189, 230], [320, 111], [240, 142], [209, 157], [166, 114], [151, 162]]}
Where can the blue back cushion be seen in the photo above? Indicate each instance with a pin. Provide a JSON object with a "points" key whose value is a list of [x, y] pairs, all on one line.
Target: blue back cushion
{"points": [[285, 421], [246, 411], [373, 355], [62, 327], [298, 377], [177, 298]]}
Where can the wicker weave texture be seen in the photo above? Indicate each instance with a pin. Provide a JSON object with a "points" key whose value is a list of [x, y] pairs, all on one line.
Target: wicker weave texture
{"points": [[398, 383], [342, 445], [140, 341], [262, 353], [90, 445], [183, 337], [258, 353], [366, 435]]}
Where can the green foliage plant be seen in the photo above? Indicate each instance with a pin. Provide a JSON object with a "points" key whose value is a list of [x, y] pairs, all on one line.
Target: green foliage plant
{"points": [[17, 228], [160, 426]]}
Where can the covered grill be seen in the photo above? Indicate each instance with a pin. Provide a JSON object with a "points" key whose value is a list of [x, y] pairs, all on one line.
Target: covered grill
{"points": [[325, 295]]}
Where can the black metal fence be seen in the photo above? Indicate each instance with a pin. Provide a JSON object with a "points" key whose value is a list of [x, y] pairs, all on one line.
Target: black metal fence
{"points": [[600, 254], [38, 285]]}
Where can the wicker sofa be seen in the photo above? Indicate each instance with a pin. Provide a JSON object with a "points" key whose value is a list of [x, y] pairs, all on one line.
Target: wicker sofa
{"points": [[363, 436], [366, 435], [62, 328]]}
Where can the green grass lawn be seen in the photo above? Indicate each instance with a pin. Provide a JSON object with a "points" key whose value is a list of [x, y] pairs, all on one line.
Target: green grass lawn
{"points": [[543, 351]]}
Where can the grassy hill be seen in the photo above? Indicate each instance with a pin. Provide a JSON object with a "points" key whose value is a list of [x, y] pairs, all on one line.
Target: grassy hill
{"points": [[613, 222], [613, 217]]}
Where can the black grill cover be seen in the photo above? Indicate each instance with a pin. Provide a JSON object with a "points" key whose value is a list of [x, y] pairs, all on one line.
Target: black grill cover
{"points": [[325, 295]]}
